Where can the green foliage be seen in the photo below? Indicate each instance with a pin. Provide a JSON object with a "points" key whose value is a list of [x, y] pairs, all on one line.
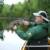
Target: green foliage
{"points": [[16, 10], [10, 13], [5, 10], [1, 6]]}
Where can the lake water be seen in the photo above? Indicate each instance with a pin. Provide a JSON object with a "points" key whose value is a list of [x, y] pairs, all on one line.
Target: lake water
{"points": [[11, 41]]}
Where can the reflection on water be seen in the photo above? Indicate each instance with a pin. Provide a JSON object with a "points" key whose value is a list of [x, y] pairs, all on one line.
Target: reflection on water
{"points": [[11, 41]]}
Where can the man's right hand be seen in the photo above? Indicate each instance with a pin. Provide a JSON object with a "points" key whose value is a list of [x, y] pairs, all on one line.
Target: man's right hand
{"points": [[26, 23]]}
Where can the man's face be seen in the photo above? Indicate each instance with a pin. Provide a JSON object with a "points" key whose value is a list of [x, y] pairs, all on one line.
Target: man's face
{"points": [[38, 19]]}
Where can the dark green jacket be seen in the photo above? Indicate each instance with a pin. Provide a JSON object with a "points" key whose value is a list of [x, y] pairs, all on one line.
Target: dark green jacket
{"points": [[37, 31]]}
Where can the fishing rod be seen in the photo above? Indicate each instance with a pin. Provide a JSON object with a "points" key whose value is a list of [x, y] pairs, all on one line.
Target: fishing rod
{"points": [[17, 22], [20, 21]]}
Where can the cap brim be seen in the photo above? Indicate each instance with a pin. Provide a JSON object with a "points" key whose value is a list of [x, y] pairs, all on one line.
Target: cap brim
{"points": [[36, 14]]}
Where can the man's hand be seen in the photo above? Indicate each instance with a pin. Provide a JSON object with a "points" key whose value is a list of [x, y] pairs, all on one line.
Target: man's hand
{"points": [[26, 23]]}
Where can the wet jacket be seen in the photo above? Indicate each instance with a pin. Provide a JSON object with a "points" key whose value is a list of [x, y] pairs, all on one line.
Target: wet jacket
{"points": [[35, 31]]}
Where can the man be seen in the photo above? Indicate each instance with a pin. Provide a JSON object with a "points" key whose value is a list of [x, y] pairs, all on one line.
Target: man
{"points": [[37, 32]]}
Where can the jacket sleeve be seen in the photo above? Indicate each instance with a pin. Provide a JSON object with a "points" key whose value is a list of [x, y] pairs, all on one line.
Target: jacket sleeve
{"points": [[49, 29], [36, 32], [24, 35]]}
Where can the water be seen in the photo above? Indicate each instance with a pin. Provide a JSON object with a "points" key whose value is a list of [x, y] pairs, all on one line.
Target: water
{"points": [[11, 41]]}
